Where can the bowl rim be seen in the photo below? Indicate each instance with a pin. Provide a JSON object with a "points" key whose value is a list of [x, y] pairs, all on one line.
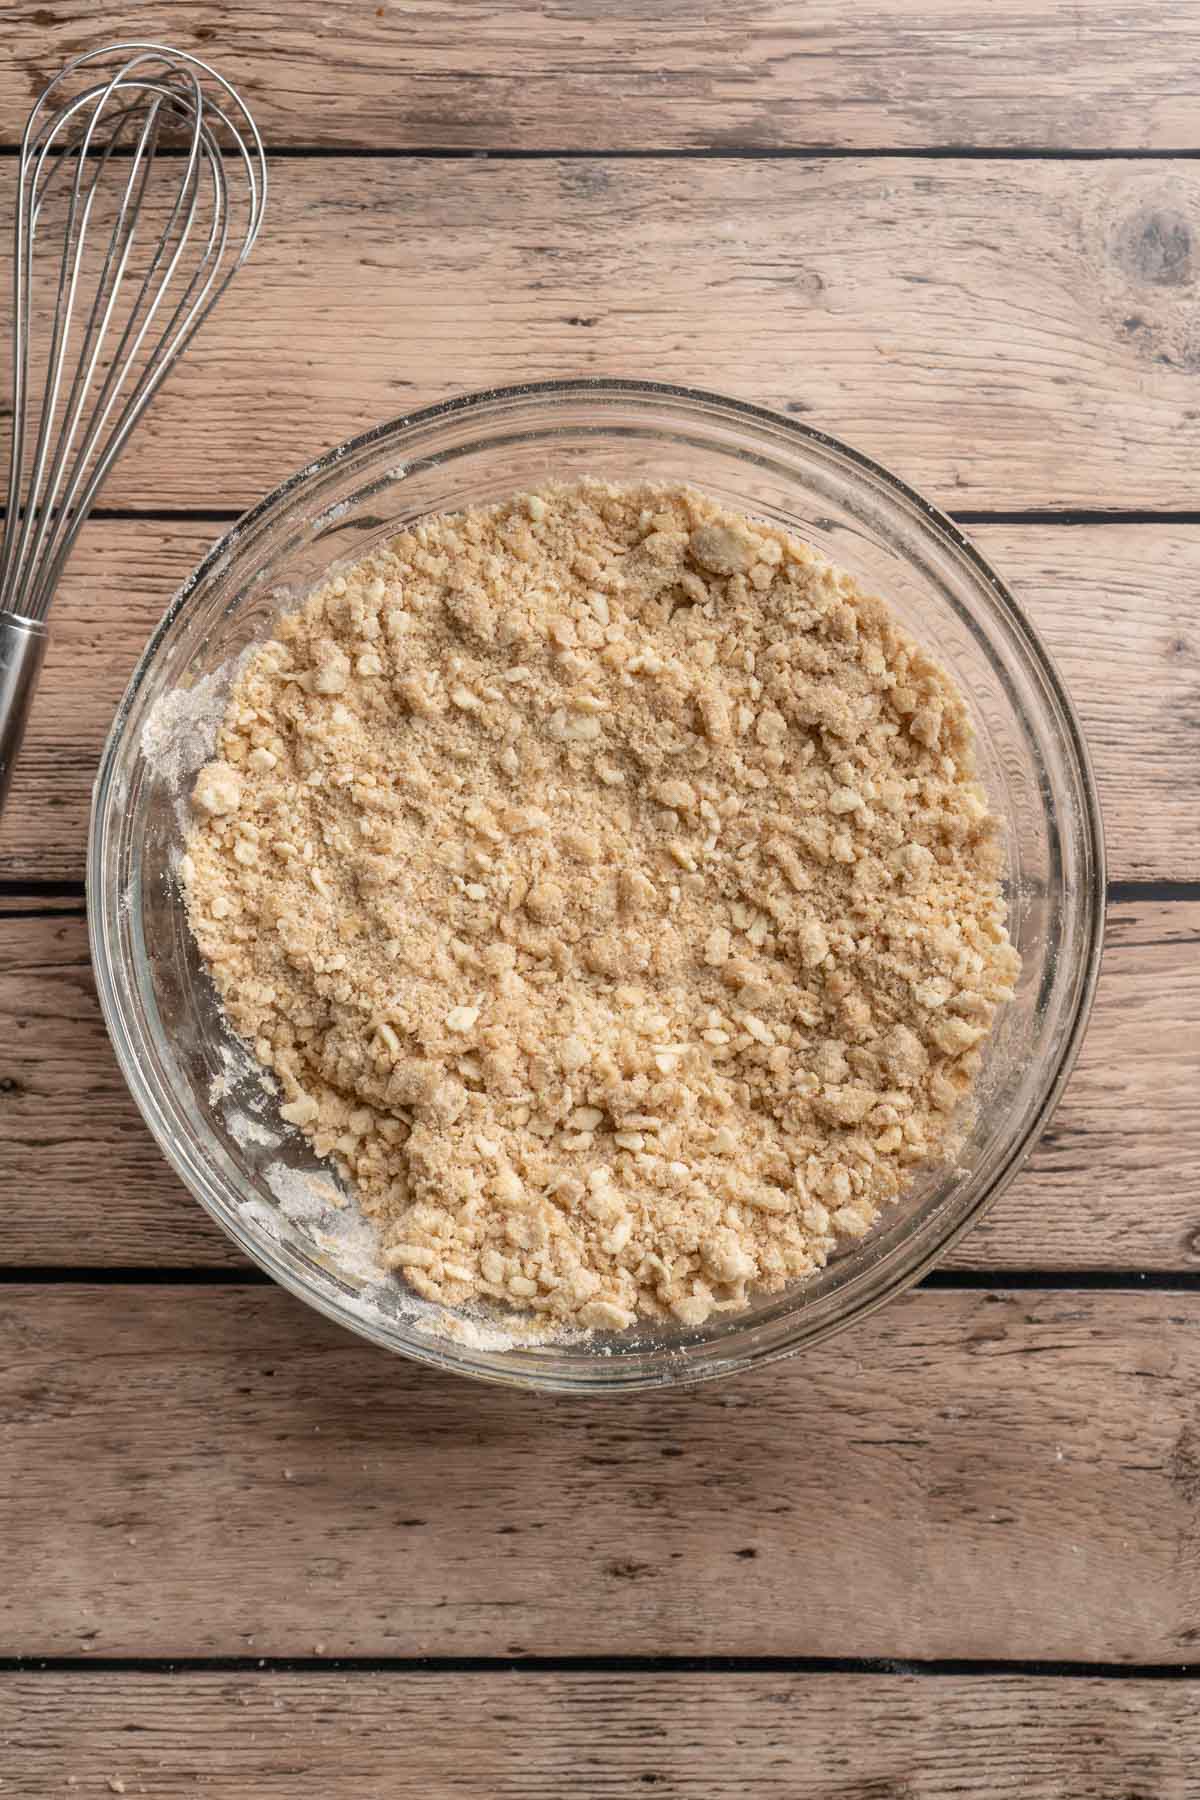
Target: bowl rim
{"points": [[448, 1355]]}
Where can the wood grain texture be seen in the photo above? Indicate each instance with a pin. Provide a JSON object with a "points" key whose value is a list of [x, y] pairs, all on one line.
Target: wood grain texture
{"points": [[220, 1471], [643, 73], [1002, 334], [269, 1736], [194, 1470], [1116, 603], [1114, 1182]]}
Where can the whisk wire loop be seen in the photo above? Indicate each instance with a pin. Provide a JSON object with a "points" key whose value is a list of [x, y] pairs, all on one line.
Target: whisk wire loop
{"points": [[41, 508], [129, 295]]}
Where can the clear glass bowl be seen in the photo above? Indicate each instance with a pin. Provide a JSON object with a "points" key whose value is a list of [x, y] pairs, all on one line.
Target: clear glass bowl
{"points": [[196, 1087]]}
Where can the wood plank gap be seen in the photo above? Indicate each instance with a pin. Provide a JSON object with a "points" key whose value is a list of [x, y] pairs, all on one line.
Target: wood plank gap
{"points": [[39, 912], [1125, 893], [166, 515], [32, 889], [1074, 516], [998, 1280], [595, 1665], [131, 1275], [698, 153], [1113, 1281]]}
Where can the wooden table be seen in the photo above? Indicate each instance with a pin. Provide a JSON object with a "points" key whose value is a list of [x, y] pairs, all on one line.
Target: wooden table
{"points": [[956, 1552]]}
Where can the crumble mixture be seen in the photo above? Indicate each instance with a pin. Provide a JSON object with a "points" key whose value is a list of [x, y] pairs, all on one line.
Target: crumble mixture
{"points": [[603, 878]]}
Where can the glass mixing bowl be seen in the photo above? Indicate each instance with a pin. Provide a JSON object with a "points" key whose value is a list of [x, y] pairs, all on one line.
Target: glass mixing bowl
{"points": [[197, 1087]]}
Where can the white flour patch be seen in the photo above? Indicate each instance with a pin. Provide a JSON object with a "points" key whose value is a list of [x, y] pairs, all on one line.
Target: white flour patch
{"points": [[181, 729], [295, 1193], [246, 1131]]}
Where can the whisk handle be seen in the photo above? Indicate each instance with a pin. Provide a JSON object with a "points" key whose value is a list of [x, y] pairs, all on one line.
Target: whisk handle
{"points": [[22, 647]]}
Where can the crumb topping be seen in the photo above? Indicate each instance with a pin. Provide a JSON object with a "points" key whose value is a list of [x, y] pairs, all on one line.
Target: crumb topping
{"points": [[603, 877]]}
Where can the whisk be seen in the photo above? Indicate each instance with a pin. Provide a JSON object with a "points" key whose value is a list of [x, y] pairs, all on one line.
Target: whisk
{"points": [[158, 174]]}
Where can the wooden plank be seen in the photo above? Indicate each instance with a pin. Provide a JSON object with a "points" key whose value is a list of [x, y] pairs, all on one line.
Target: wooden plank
{"points": [[66, 1115], [216, 1471], [16, 903], [540, 1737], [1116, 603], [115, 591], [642, 73], [1114, 1183], [1115, 1180], [1002, 334]]}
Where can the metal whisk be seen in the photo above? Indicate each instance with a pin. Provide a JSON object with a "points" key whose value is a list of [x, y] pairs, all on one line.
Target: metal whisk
{"points": [[138, 199]]}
